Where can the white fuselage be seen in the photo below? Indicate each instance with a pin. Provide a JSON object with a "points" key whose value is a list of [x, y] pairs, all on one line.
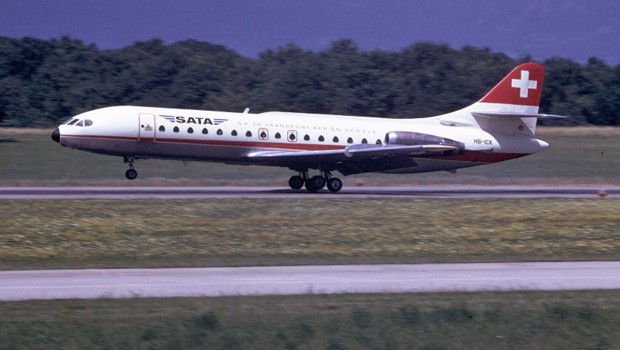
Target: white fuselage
{"points": [[164, 133]]}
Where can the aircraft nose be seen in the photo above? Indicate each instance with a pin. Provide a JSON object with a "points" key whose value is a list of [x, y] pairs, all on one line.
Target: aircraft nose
{"points": [[56, 135]]}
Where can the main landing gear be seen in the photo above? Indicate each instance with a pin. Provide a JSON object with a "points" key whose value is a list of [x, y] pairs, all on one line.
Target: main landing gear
{"points": [[315, 183], [131, 173]]}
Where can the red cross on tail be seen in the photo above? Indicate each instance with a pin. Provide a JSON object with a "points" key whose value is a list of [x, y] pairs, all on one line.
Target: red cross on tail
{"points": [[522, 86]]}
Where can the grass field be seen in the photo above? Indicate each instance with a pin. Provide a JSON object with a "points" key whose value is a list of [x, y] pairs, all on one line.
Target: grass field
{"points": [[121, 233], [226, 232], [576, 156], [558, 320]]}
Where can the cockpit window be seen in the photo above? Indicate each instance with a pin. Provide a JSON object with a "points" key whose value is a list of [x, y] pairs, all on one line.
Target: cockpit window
{"points": [[80, 122], [68, 121]]}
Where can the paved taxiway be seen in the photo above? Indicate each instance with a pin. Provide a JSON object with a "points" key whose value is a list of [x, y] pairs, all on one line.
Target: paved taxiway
{"points": [[293, 280], [278, 192]]}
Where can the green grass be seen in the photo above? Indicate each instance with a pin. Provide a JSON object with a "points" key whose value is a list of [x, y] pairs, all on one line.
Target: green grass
{"points": [[576, 156], [122, 233], [225, 232], [558, 320]]}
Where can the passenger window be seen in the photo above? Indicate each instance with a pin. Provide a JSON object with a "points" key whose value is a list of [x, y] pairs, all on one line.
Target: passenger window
{"points": [[364, 141], [205, 131], [349, 140], [321, 138], [292, 136], [234, 133], [248, 134], [176, 129], [220, 132], [190, 130], [162, 128], [278, 136], [336, 139], [263, 134], [378, 142], [307, 138]]}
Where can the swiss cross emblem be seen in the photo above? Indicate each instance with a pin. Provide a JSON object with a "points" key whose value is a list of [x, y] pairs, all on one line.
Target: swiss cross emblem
{"points": [[524, 84]]}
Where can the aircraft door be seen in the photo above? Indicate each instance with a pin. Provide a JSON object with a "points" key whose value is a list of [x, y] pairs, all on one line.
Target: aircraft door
{"points": [[147, 128]]}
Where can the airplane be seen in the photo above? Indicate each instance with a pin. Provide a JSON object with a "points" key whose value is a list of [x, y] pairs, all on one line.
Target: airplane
{"points": [[499, 127]]}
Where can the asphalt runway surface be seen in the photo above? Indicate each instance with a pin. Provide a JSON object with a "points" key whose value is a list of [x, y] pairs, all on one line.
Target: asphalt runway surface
{"points": [[278, 192], [296, 280]]}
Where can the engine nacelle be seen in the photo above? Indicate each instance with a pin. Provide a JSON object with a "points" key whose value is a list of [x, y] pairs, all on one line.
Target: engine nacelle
{"points": [[409, 138]]}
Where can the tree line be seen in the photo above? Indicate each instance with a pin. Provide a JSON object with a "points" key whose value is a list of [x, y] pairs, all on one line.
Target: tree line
{"points": [[43, 82]]}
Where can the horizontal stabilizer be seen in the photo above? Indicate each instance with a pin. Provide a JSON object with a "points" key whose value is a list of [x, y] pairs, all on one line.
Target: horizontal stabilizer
{"points": [[516, 115]]}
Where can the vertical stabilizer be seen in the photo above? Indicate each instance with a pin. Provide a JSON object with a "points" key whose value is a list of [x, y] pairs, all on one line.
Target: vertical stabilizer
{"points": [[519, 91], [510, 107]]}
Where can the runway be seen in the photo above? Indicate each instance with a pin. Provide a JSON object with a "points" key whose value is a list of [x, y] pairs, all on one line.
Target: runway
{"points": [[295, 280], [278, 192]]}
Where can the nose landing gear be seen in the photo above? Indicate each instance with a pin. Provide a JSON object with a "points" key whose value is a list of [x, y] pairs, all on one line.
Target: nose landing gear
{"points": [[131, 173]]}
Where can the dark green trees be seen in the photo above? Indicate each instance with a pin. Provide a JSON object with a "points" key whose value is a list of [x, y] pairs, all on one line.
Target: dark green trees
{"points": [[44, 82]]}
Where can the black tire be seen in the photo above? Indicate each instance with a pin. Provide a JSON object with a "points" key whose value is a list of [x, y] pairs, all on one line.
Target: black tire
{"points": [[319, 181], [310, 186], [296, 182], [131, 174], [334, 184]]}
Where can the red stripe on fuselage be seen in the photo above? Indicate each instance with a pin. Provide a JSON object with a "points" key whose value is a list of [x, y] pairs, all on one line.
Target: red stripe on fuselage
{"points": [[466, 156], [211, 142]]}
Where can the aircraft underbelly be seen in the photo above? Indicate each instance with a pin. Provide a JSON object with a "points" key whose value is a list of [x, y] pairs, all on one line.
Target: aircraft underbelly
{"points": [[158, 150], [188, 151], [428, 165]]}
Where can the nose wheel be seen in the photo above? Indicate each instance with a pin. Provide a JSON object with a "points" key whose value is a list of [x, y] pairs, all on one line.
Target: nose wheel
{"points": [[131, 173]]}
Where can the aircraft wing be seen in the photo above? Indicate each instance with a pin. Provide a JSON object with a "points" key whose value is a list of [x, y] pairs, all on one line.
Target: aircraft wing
{"points": [[347, 159]]}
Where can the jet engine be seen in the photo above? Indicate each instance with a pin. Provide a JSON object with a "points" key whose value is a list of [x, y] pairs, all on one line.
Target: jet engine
{"points": [[409, 138]]}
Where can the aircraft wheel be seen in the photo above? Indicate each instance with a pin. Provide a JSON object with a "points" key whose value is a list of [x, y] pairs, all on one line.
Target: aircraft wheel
{"points": [[131, 174], [334, 184], [310, 186], [296, 182], [319, 181]]}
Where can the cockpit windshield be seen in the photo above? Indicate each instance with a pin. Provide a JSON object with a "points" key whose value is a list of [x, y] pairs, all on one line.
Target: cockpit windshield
{"points": [[79, 122]]}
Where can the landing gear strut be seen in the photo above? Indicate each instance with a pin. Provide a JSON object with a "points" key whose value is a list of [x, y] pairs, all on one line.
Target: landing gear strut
{"points": [[315, 183], [131, 173]]}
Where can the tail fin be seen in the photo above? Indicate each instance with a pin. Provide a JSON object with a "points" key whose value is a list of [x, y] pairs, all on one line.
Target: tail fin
{"points": [[511, 107], [520, 90]]}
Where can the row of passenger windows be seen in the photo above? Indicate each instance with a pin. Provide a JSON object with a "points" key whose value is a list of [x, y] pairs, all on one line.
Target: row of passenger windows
{"points": [[292, 136]]}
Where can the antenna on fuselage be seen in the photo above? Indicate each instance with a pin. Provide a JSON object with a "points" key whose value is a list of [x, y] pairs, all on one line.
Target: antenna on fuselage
{"points": [[246, 111]]}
